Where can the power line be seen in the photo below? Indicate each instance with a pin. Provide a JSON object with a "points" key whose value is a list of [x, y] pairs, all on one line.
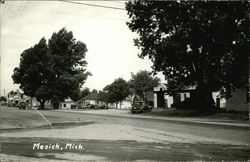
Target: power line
{"points": [[69, 13], [93, 5]]}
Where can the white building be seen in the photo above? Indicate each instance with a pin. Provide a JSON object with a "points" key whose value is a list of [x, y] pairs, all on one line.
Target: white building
{"points": [[163, 100], [67, 104]]}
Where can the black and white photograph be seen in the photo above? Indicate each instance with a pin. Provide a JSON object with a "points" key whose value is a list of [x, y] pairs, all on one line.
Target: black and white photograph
{"points": [[124, 80]]}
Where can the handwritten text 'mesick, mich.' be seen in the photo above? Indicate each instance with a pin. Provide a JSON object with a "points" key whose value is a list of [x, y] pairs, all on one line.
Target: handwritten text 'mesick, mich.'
{"points": [[57, 146]]}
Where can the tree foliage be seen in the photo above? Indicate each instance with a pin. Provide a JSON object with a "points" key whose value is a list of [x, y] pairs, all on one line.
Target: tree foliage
{"points": [[142, 82], [85, 92], [69, 65], [53, 71], [3, 98], [117, 91], [33, 71], [103, 96], [194, 43]]}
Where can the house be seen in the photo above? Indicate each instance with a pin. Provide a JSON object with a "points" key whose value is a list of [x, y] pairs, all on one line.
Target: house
{"points": [[98, 99], [67, 104], [239, 100], [125, 104], [91, 99], [161, 98]]}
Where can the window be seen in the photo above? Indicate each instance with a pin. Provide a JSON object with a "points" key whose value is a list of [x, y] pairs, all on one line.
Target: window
{"points": [[64, 105]]}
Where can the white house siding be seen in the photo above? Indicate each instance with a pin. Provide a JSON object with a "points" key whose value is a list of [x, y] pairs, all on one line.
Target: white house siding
{"points": [[91, 102], [101, 103], [111, 105], [125, 105], [66, 105], [169, 100], [221, 100], [184, 95], [155, 100]]}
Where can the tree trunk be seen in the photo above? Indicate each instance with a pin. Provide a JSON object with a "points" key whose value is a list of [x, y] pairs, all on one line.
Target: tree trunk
{"points": [[203, 99], [56, 105], [31, 102], [42, 102]]}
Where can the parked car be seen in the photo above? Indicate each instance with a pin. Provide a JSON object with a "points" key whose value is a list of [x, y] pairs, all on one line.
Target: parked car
{"points": [[91, 106], [140, 107], [3, 103], [22, 105]]}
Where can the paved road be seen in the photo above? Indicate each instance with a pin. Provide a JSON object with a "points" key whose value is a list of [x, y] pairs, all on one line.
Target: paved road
{"points": [[117, 138]]}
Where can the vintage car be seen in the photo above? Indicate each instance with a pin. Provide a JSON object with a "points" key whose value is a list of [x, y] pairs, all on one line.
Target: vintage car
{"points": [[90, 106], [22, 105], [140, 107]]}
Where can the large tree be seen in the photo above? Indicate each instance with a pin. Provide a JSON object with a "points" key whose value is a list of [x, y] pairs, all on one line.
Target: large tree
{"points": [[68, 64], [117, 91], [3, 98], [33, 71], [142, 81], [53, 71], [194, 43]]}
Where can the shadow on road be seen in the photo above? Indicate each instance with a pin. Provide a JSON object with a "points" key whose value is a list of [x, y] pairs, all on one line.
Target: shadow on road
{"points": [[55, 126]]}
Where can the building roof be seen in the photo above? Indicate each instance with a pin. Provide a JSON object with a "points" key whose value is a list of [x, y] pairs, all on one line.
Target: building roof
{"points": [[91, 96]]}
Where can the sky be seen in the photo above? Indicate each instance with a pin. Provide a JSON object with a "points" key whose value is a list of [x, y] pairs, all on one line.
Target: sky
{"points": [[111, 51]]}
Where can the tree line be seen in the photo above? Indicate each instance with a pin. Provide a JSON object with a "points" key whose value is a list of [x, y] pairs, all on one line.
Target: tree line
{"points": [[140, 83], [56, 69]]}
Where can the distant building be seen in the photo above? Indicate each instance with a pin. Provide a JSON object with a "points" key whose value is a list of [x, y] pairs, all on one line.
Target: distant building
{"points": [[14, 98], [96, 100], [126, 103], [67, 104], [91, 99]]}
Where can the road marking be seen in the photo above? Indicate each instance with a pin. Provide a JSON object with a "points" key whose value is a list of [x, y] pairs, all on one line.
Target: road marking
{"points": [[45, 119]]}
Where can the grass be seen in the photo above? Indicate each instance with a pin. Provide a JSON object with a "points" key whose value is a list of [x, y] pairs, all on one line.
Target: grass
{"points": [[219, 114]]}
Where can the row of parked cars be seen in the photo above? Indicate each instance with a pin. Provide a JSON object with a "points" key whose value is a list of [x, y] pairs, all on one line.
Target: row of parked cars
{"points": [[91, 106], [20, 105], [136, 107]]}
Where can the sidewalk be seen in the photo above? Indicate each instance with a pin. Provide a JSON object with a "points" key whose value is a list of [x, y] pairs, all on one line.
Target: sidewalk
{"points": [[126, 113]]}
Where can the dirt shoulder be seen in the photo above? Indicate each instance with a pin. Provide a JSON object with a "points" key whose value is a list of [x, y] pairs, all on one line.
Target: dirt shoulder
{"points": [[161, 114]]}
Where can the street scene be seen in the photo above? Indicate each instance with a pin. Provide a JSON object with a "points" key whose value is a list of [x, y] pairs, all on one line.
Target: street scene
{"points": [[124, 81]]}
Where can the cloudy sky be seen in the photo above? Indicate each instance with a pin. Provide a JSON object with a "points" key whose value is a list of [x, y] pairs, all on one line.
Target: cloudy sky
{"points": [[111, 52]]}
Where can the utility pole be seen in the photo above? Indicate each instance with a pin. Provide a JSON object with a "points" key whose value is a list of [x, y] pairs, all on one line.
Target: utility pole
{"points": [[1, 3]]}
